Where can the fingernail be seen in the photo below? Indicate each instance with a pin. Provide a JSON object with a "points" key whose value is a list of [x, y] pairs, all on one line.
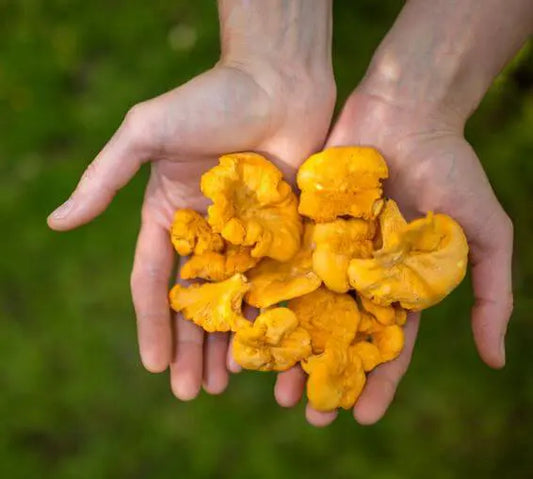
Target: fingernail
{"points": [[63, 210]]}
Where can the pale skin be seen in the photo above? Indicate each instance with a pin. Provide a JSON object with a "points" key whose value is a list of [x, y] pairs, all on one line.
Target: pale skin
{"points": [[425, 80], [274, 96], [273, 92]]}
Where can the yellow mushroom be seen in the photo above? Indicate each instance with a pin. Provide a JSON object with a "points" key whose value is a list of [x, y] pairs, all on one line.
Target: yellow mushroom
{"points": [[273, 342], [328, 317], [272, 281], [379, 336], [219, 266], [417, 266], [357, 239], [253, 206], [336, 378], [212, 306], [342, 181], [191, 233], [336, 243]]}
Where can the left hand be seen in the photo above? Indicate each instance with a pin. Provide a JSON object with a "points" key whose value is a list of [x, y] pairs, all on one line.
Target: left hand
{"points": [[431, 168]]}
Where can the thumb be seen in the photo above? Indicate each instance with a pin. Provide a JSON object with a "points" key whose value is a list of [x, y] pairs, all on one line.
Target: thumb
{"points": [[112, 169]]}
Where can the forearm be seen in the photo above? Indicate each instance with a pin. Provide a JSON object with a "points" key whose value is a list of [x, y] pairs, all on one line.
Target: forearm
{"points": [[444, 54], [287, 33]]}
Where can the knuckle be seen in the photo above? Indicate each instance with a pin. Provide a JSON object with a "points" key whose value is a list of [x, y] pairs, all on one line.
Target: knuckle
{"points": [[90, 175], [136, 290], [141, 277], [508, 304], [134, 115], [497, 232], [195, 342], [95, 180], [152, 318], [134, 282], [403, 366], [499, 220], [507, 228], [390, 384], [135, 124]]}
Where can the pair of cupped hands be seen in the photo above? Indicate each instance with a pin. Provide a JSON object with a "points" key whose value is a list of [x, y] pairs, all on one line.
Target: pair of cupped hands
{"points": [[286, 115]]}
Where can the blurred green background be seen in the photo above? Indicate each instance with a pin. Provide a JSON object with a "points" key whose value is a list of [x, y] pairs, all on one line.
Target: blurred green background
{"points": [[74, 399]]}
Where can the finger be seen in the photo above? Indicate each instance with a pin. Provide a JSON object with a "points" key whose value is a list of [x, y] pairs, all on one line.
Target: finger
{"points": [[186, 366], [231, 364], [289, 387], [152, 268], [113, 168], [215, 371], [319, 418], [382, 383], [250, 313], [493, 292]]}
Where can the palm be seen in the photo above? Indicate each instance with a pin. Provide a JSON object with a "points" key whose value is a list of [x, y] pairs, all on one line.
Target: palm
{"points": [[183, 132], [224, 110], [432, 168]]}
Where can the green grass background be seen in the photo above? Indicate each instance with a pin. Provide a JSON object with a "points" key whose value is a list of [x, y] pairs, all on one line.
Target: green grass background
{"points": [[74, 399]]}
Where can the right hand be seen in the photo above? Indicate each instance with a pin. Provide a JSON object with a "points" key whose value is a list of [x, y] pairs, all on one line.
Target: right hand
{"points": [[236, 106]]}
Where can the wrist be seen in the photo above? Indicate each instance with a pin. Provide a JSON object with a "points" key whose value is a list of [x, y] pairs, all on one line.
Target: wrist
{"points": [[439, 87], [291, 37], [440, 57]]}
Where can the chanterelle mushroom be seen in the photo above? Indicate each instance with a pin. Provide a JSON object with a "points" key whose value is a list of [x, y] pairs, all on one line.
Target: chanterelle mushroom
{"points": [[336, 378], [327, 317], [354, 238], [212, 306], [336, 243], [219, 266], [379, 335], [273, 342], [417, 266], [272, 281], [190, 233], [253, 206], [342, 181]]}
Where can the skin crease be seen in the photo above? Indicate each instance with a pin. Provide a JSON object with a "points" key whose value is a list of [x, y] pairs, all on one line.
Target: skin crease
{"points": [[242, 104], [413, 112]]}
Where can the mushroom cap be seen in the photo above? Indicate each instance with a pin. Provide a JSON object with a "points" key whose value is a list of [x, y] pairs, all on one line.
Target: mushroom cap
{"points": [[190, 233], [212, 306], [336, 378], [327, 316], [336, 243], [219, 266], [417, 266], [342, 181], [273, 342], [253, 206], [272, 281]]}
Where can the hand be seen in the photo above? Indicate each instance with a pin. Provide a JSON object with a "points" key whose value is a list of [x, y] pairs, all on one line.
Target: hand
{"points": [[432, 167], [426, 78], [233, 107]]}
